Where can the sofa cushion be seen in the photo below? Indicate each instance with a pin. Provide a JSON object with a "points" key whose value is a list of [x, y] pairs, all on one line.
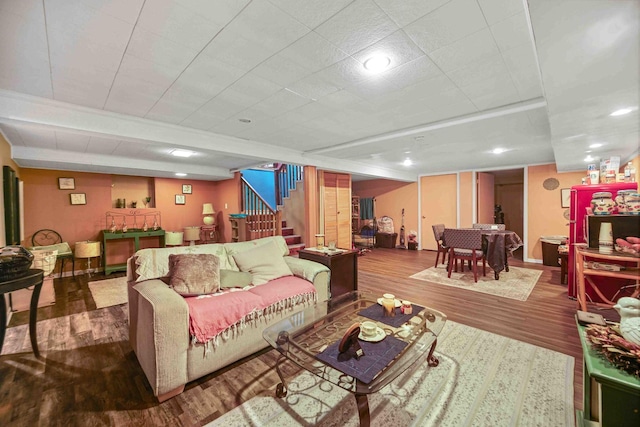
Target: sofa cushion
{"points": [[239, 247], [264, 262], [153, 263], [234, 279], [194, 274]]}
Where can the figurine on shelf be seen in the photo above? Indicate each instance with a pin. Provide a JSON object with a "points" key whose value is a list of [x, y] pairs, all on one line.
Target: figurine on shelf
{"points": [[124, 224], [629, 310], [155, 224], [113, 226], [146, 201], [145, 227], [134, 204]]}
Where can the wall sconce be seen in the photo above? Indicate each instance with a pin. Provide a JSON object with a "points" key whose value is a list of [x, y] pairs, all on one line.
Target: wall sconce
{"points": [[208, 212]]}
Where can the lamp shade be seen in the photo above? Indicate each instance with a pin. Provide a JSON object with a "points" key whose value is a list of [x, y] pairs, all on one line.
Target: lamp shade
{"points": [[191, 234], [173, 238], [207, 209], [87, 249]]}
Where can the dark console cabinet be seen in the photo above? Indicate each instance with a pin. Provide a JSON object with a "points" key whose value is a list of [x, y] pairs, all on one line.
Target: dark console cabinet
{"points": [[343, 266]]}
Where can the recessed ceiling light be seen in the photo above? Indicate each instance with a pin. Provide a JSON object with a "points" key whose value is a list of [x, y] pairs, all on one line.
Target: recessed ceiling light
{"points": [[377, 63], [181, 174], [596, 145], [622, 111], [498, 150], [182, 153], [588, 151], [407, 162], [589, 159]]}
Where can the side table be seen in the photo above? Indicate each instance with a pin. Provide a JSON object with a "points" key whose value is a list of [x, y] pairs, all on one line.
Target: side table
{"points": [[208, 234], [33, 278], [343, 266]]}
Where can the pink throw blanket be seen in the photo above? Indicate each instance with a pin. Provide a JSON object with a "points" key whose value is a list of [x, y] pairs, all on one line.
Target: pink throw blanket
{"points": [[218, 314]]}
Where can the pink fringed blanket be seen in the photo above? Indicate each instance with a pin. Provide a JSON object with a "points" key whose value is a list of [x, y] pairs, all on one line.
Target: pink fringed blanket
{"points": [[215, 315]]}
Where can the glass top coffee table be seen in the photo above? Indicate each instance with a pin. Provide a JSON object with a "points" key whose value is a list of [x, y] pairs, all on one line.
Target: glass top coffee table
{"points": [[301, 337]]}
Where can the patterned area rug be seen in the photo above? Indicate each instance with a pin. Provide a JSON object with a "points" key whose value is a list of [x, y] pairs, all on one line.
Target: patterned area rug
{"points": [[109, 292], [516, 284], [483, 379]]}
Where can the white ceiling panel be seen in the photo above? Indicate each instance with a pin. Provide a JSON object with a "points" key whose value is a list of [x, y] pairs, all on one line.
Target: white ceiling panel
{"points": [[113, 85]]}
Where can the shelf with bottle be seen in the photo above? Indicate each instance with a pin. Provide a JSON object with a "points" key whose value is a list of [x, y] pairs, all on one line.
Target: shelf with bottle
{"points": [[133, 220]]}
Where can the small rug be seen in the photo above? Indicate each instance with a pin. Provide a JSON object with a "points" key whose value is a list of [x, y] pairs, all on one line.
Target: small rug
{"points": [[516, 284], [483, 379], [109, 292]]}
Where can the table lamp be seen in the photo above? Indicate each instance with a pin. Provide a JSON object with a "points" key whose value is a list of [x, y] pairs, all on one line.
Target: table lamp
{"points": [[208, 212], [87, 249], [173, 238], [191, 234]]}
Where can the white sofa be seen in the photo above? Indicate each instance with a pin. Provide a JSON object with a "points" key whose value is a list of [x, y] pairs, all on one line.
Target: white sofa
{"points": [[159, 317]]}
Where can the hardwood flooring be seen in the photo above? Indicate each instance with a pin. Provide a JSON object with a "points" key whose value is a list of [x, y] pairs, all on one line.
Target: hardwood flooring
{"points": [[89, 374]]}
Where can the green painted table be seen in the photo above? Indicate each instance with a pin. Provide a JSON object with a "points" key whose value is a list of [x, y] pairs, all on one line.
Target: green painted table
{"points": [[611, 396], [135, 234]]}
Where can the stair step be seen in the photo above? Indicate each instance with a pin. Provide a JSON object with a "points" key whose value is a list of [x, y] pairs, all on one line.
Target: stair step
{"points": [[287, 231], [293, 249], [293, 239]]}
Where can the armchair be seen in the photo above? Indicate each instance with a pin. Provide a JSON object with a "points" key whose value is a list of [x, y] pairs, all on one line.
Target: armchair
{"points": [[50, 240], [438, 233]]}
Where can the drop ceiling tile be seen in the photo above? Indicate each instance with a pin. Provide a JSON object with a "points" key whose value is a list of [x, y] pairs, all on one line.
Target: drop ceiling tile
{"points": [[340, 99], [226, 104], [412, 72], [446, 25], [312, 87], [345, 73], [265, 23], [373, 88], [89, 92], [68, 141], [176, 105], [22, 33], [475, 47], [100, 145], [219, 12], [254, 87], [126, 10], [201, 120], [155, 73], [151, 47], [491, 93], [133, 96], [524, 71], [206, 76], [130, 149], [357, 26], [512, 32], [281, 70], [306, 112], [231, 127], [399, 48], [11, 134], [280, 103], [406, 11], [38, 138], [33, 83], [313, 52], [310, 12], [498, 10], [480, 70], [174, 22], [237, 50]]}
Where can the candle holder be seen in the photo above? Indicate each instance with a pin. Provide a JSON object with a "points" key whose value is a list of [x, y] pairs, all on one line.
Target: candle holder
{"points": [[320, 241]]}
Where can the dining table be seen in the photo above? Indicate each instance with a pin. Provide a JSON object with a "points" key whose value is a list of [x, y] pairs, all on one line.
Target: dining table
{"points": [[497, 246]]}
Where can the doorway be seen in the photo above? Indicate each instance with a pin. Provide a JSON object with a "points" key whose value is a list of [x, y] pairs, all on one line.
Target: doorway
{"points": [[508, 193]]}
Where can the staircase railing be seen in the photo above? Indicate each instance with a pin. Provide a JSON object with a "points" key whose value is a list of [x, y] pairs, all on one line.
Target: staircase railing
{"points": [[262, 220], [286, 178]]}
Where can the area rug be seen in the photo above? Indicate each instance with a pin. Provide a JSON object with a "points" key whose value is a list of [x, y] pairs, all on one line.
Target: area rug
{"points": [[516, 284], [483, 379], [109, 292]]}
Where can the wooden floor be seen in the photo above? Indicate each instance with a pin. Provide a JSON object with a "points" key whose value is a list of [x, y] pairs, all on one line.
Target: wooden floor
{"points": [[92, 377]]}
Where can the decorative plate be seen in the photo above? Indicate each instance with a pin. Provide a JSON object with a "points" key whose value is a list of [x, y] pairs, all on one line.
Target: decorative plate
{"points": [[551, 184], [379, 336]]}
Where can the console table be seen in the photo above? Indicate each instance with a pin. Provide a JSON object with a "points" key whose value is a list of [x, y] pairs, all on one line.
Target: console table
{"points": [[343, 266], [33, 278], [135, 234]]}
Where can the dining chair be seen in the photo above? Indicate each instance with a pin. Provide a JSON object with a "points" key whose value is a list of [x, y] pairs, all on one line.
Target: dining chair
{"points": [[438, 233], [465, 244], [500, 227]]}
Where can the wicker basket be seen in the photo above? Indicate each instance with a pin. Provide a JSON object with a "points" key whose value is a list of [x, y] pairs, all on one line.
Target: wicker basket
{"points": [[45, 260]]}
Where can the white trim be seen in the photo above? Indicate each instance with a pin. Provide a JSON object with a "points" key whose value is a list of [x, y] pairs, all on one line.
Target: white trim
{"points": [[474, 197], [533, 260], [420, 213], [458, 200], [525, 213]]}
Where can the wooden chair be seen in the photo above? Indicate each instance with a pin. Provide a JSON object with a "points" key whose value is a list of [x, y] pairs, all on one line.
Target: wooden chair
{"points": [[438, 233], [51, 240], [500, 227], [465, 244]]}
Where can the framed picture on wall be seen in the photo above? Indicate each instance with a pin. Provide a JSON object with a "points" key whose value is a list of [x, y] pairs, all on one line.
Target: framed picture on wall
{"points": [[78, 198], [180, 199], [66, 183], [186, 189], [565, 196]]}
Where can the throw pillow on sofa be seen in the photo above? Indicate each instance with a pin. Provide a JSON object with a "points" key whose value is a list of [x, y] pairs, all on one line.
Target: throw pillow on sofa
{"points": [[264, 262], [234, 279], [194, 274]]}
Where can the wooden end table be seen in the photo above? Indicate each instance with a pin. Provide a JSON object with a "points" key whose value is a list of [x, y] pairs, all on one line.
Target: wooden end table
{"points": [[343, 266]]}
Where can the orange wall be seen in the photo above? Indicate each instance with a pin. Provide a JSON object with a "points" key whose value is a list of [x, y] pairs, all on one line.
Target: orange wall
{"points": [[390, 198], [439, 202], [466, 199], [545, 213]]}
